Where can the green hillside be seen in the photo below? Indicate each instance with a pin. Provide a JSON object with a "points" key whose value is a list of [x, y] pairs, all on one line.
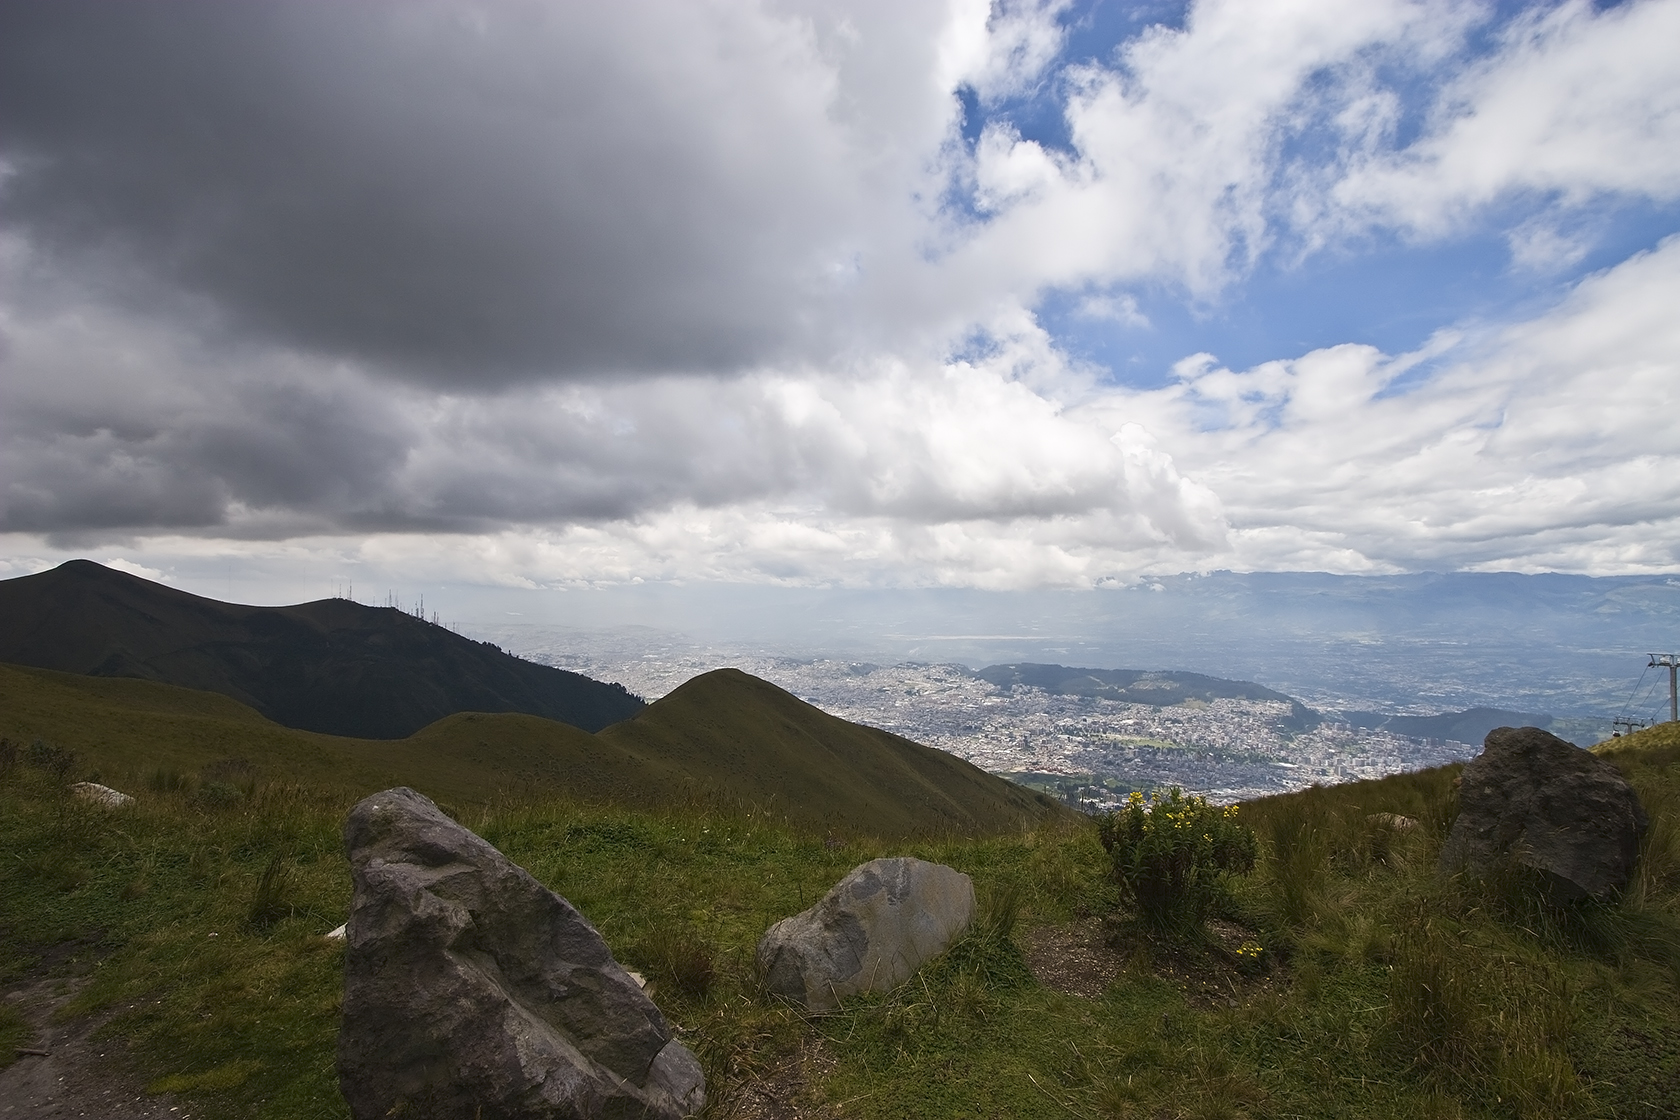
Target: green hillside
{"points": [[724, 738], [1342, 978], [754, 740]]}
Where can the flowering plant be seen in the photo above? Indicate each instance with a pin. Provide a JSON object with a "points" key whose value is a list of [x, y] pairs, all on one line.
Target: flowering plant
{"points": [[1170, 852]]}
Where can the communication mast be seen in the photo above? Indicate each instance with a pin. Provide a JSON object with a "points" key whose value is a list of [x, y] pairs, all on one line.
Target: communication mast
{"points": [[1671, 662]]}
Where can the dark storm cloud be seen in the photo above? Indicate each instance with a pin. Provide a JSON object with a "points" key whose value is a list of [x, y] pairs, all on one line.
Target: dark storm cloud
{"points": [[247, 442], [460, 195], [108, 461]]}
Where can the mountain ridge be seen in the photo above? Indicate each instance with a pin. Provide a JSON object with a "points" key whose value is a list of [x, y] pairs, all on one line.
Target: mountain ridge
{"points": [[1468, 726], [1165, 687], [1155, 687], [332, 666]]}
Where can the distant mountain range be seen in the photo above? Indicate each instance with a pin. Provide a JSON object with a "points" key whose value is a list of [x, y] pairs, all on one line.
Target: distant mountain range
{"points": [[332, 666], [1469, 726], [1573, 646], [1159, 688]]}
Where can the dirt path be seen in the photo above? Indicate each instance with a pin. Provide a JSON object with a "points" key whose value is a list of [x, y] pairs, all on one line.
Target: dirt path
{"points": [[79, 1075]]}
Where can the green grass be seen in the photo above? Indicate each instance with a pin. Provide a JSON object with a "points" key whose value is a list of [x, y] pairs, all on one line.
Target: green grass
{"points": [[722, 738], [234, 995], [1384, 991]]}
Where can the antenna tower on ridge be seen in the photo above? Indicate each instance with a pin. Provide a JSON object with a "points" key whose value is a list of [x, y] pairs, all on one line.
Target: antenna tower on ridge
{"points": [[1671, 662]]}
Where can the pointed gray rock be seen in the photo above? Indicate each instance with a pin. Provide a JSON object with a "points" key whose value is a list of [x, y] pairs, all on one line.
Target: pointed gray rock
{"points": [[470, 989], [1546, 804], [869, 934]]}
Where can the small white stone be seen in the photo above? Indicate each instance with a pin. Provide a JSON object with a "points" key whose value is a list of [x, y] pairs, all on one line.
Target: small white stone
{"points": [[103, 796]]}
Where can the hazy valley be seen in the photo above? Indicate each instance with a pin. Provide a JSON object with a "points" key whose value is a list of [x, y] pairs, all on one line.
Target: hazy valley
{"points": [[1091, 747]]}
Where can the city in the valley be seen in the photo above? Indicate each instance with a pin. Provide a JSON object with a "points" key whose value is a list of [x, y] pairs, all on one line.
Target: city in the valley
{"points": [[1090, 750]]}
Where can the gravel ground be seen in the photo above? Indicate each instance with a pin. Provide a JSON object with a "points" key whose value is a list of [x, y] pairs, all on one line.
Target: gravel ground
{"points": [[81, 1074]]}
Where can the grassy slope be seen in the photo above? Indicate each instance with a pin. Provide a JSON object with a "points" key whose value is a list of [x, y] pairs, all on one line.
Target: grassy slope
{"points": [[1391, 993], [126, 730], [725, 737], [828, 772]]}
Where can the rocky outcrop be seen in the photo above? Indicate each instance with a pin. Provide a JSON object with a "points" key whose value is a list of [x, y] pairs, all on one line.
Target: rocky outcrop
{"points": [[1532, 799], [870, 933], [472, 990]]}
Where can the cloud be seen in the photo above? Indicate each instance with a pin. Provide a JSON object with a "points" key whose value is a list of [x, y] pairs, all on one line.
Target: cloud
{"points": [[470, 197], [1575, 103], [1001, 49], [1531, 446], [476, 195], [1122, 309], [1178, 149], [581, 293], [117, 424], [1535, 446], [1541, 247]]}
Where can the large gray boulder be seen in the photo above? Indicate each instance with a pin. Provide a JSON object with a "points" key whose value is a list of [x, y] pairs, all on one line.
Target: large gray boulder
{"points": [[1533, 799], [870, 933], [471, 990]]}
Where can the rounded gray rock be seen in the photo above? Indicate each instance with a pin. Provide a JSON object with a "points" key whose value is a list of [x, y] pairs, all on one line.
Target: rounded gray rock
{"points": [[869, 934]]}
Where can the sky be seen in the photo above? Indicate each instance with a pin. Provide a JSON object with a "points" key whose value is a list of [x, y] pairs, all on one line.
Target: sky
{"points": [[874, 295]]}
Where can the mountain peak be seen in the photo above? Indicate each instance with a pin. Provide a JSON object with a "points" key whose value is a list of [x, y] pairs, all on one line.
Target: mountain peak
{"points": [[331, 665]]}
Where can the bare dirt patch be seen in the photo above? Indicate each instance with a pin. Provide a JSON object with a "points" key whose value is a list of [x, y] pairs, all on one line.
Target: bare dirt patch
{"points": [[68, 1069], [789, 1091], [1074, 959], [1082, 958]]}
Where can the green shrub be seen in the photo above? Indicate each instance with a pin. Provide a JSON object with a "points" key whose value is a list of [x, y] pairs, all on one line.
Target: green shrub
{"points": [[1170, 853]]}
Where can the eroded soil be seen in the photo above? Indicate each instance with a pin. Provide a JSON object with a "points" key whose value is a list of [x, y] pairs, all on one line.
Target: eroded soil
{"points": [[1082, 958], [69, 1069]]}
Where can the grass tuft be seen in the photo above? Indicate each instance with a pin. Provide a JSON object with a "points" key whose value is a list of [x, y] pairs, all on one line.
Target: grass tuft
{"points": [[677, 960], [269, 902]]}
